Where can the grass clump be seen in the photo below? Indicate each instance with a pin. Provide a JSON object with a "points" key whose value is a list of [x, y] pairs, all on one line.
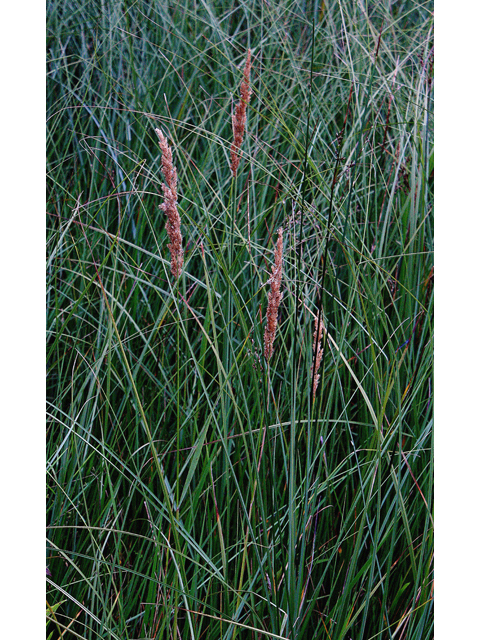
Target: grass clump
{"points": [[239, 409]]}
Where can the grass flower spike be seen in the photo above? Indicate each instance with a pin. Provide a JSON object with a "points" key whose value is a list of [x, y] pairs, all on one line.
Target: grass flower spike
{"points": [[239, 118], [274, 299], [169, 206], [318, 351]]}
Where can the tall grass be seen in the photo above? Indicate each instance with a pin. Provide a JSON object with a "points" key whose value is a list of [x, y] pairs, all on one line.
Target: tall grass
{"points": [[200, 484]]}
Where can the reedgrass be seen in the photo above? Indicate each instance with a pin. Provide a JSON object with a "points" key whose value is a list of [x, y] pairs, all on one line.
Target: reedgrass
{"points": [[169, 206], [239, 118], [274, 298], [195, 490], [318, 351]]}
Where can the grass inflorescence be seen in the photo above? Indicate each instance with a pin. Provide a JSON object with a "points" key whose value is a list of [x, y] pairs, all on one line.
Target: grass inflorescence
{"points": [[239, 388]]}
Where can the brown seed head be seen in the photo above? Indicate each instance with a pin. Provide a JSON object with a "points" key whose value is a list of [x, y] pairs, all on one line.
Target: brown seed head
{"points": [[239, 118], [317, 350], [274, 298], [169, 205]]}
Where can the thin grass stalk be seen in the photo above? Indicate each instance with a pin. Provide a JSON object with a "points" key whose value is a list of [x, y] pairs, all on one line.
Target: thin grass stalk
{"points": [[316, 378], [309, 506], [292, 578], [173, 224], [239, 118], [177, 483]]}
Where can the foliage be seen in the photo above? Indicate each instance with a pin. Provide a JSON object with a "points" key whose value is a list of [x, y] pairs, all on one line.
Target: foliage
{"points": [[195, 489]]}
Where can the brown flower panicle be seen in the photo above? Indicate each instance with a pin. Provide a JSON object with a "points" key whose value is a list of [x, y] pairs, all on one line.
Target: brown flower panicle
{"points": [[239, 118], [169, 206], [317, 350], [274, 298]]}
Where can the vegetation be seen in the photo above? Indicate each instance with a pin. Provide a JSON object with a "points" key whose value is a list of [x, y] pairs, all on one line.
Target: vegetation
{"points": [[240, 448]]}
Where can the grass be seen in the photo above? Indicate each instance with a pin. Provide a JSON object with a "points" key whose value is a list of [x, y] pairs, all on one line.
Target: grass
{"points": [[196, 489]]}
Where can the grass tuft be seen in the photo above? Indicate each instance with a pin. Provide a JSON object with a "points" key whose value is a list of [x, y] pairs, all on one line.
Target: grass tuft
{"points": [[215, 468]]}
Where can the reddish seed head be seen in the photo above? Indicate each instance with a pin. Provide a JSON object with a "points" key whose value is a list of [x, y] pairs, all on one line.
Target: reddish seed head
{"points": [[274, 298], [318, 351], [169, 205], [239, 118]]}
